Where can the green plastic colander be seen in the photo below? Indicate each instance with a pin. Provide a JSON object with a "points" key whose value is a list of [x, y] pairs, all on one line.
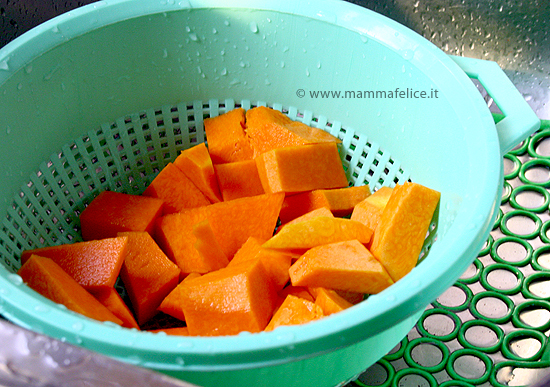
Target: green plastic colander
{"points": [[104, 96]]}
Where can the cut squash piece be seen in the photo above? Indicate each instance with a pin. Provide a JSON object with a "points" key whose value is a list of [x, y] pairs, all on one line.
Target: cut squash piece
{"points": [[293, 311], [176, 190], [344, 265], [112, 301], [330, 301], [196, 164], [46, 277], [275, 262], [227, 140], [148, 275], [224, 302], [370, 209], [269, 129], [239, 179], [340, 202], [93, 264], [301, 168], [112, 212], [403, 227], [317, 231]]}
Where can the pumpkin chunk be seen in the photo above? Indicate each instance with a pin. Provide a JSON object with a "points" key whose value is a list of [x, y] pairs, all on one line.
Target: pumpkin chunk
{"points": [[239, 179], [403, 226], [340, 202], [269, 129], [227, 140], [323, 266], [46, 277], [233, 222], [301, 168], [174, 234], [147, 274], [208, 247], [196, 164], [293, 311], [330, 301], [93, 264], [176, 190], [224, 302], [275, 262], [317, 231], [112, 301], [113, 212], [370, 209]]}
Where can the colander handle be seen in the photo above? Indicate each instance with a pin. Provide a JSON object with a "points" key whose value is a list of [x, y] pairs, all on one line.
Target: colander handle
{"points": [[519, 120]]}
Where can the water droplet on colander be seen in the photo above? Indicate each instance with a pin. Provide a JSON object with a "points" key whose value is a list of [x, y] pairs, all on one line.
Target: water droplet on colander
{"points": [[282, 64], [267, 82], [185, 344], [403, 69], [214, 30], [253, 27], [193, 36], [8, 131], [307, 72], [408, 54], [226, 22], [28, 69], [285, 48], [242, 64], [15, 279], [42, 309], [55, 29], [319, 64], [287, 337], [165, 53], [364, 38], [78, 326], [180, 361], [4, 65]]}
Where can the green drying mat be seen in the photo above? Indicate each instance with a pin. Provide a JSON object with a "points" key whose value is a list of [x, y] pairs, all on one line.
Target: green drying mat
{"points": [[491, 327]]}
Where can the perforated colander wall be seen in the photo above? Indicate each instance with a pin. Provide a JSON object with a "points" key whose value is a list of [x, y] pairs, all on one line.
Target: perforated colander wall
{"points": [[126, 155]]}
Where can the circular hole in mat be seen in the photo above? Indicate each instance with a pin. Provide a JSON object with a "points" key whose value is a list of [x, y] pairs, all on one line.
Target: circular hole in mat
{"points": [[524, 345], [481, 335], [541, 258], [472, 273], [514, 373], [506, 193], [398, 350], [530, 198], [532, 314], [537, 286], [502, 278], [429, 354], [455, 298], [380, 374], [535, 172], [521, 223], [439, 324], [511, 166], [539, 146], [512, 251], [492, 306], [413, 377], [544, 232], [486, 247], [469, 365]]}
